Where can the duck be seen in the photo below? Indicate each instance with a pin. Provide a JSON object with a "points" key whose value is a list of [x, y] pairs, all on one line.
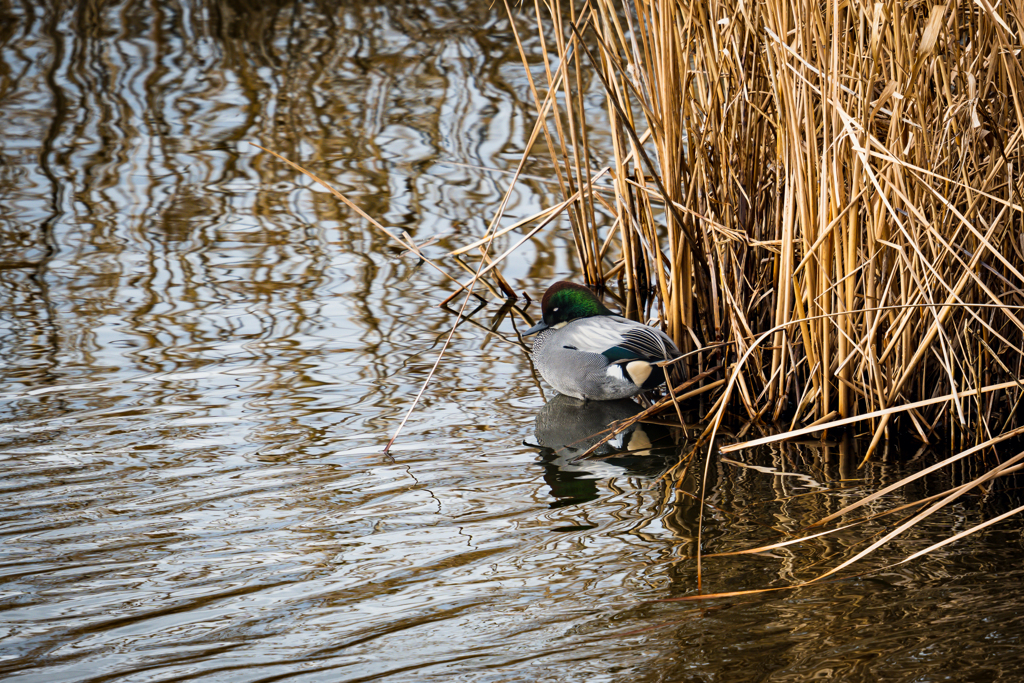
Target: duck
{"points": [[585, 351]]}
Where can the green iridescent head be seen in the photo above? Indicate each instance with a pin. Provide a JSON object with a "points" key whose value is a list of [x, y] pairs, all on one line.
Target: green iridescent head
{"points": [[567, 301]]}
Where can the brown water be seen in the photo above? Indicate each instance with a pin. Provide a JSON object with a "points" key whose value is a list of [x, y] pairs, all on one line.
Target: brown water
{"points": [[202, 355]]}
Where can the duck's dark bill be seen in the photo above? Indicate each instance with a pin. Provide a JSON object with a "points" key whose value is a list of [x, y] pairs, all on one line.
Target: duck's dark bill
{"points": [[536, 328]]}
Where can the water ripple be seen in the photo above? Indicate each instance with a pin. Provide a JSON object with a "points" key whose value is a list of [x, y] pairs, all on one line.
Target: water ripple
{"points": [[203, 356]]}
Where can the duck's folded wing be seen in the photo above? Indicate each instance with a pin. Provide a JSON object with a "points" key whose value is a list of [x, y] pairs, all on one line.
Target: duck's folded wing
{"points": [[617, 339], [648, 344]]}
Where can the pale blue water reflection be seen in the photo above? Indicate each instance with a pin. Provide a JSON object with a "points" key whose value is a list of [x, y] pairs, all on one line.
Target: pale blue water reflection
{"points": [[203, 354]]}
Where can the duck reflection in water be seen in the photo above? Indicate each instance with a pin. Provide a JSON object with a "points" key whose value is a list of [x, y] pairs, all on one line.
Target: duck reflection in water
{"points": [[567, 428]]}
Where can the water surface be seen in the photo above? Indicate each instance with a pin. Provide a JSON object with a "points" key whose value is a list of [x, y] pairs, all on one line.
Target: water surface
{"points": [[202, 355]]}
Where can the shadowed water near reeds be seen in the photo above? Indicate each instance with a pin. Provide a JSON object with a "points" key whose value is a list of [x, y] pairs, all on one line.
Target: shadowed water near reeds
{"points": [[202, 354]]}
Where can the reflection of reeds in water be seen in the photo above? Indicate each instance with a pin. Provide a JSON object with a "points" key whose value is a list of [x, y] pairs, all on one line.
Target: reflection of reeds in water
{"points": [[125, 147], [824, 198]]}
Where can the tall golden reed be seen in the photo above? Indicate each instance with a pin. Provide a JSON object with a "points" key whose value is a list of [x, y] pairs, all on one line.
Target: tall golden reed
{"points": [[824, 196]]}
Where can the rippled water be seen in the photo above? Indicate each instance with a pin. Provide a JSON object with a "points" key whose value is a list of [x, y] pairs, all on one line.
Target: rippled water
{"points": [[202, 356]]}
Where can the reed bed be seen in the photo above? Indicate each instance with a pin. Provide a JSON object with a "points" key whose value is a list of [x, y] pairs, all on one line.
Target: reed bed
{"points": [[821, 202], [823, 198]]}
